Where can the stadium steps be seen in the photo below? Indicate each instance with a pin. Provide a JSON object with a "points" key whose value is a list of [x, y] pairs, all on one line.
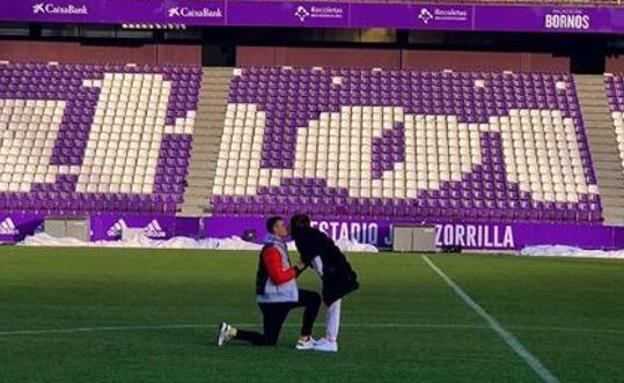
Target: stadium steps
{"points": [[603, 145], [206, 140]]}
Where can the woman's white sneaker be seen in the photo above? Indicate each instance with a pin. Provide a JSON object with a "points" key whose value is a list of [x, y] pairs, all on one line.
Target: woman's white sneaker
{"points": [[324, 345], [305, 344]]}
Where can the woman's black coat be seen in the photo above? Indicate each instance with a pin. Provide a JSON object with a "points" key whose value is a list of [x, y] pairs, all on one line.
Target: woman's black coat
{"points": [[339, 279]]}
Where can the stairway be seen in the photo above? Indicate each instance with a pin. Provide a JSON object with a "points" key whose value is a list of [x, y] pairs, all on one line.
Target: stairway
{"points": [[206, 140], [603, 145]]}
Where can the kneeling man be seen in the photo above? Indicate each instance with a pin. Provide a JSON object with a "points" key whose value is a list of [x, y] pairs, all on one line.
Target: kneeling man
{"points": [[277, 294]]}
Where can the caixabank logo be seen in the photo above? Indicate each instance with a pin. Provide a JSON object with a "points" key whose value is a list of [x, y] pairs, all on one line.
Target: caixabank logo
{"points": [[190, 12], [310, 12], [51, 8]]}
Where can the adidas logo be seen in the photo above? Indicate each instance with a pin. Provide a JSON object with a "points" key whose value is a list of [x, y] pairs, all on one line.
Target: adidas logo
{"points": [[117, 228], [154, 230], [7, 227]]}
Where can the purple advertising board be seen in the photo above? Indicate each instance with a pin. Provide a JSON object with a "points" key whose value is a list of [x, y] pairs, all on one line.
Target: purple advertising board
{"points": [[187, 227], [424, 16], [109, 226], [288, 14], [549, 19], [412, 16], [465, 235], [191, 12], [378, 232], [14, 227]]}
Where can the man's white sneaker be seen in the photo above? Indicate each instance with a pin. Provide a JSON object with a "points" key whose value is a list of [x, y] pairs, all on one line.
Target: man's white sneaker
{"points": [[324, 345], [223, 336], [305, 344]]}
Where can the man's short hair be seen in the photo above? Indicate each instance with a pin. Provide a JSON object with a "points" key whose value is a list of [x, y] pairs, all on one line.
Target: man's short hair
{"points": [[270, 223]]}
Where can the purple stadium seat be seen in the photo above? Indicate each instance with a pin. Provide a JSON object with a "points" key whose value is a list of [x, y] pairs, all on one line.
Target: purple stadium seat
{"points": [[291, 98], [26, 84]]}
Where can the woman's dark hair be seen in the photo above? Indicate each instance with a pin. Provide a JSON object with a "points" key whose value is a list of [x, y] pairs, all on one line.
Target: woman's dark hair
{"points": [[298, 223], [270, 223]]}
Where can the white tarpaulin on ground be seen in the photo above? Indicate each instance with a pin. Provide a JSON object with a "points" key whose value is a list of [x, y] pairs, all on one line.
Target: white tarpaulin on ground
{"points": [[568, 251], [141, 241]]}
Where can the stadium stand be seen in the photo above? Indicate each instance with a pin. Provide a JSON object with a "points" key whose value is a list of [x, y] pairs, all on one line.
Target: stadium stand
{"points": [[614, 84], [597, 115], [76, 139], [412, 145], [206, 139], [615, 96]]}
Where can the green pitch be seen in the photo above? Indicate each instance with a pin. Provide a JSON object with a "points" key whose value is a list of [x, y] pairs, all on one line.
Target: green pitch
{"points": [[151, 316]]}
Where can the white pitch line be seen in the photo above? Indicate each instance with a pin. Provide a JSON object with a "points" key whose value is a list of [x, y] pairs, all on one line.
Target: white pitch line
{"points": [[508, 337], [589, 330], [187, 326], [100, 328], [348, 325]]}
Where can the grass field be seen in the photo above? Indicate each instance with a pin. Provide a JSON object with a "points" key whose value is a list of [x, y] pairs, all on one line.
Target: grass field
{"points": [[150, 316]]}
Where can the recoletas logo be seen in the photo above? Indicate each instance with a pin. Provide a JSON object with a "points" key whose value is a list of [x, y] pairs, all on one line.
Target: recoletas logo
{"points": [[425, 15], [444, 14], [304, 13]]}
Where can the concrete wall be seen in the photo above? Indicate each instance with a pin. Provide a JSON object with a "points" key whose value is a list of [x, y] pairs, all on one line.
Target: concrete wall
{"points": [[73, 52], [484, 61], [336, 57], [405, 59]]}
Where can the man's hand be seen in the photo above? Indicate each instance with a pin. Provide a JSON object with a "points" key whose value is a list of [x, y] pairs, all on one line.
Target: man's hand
{"points": [[301, 265]]}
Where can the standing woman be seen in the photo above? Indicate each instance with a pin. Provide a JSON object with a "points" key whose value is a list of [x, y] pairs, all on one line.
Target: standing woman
{"points": [[339, 279]]}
